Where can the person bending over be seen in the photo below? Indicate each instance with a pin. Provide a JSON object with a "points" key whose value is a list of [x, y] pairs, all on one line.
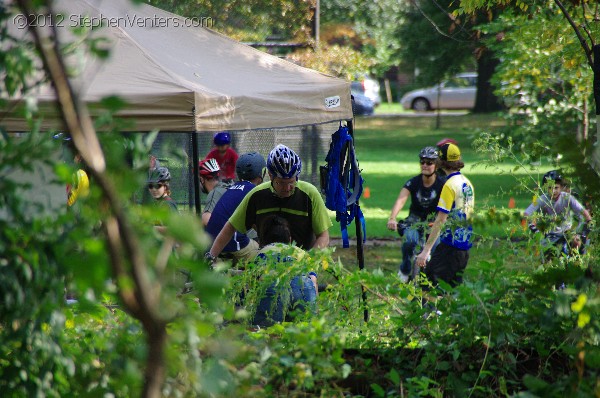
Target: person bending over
{"points": [[282, 300]]}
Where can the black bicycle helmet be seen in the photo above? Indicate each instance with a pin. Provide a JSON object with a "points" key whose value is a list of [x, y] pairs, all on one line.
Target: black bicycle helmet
{"points": [[159, 174], [429, 152], [250, 165], [552, 175], [283, 162]]}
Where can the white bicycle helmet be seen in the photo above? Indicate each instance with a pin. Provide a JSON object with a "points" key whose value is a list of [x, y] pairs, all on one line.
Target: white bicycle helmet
{"points": [[283, 162], [208, 168], [159, 174], [429, 152]]}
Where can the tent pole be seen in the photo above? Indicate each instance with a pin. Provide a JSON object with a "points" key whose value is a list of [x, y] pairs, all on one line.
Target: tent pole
{"points": [[195, 168], [359, 241], [195, 161]]}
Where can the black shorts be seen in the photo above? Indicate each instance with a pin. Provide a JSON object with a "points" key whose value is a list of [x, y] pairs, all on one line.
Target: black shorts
{"points": [[447, 263]]}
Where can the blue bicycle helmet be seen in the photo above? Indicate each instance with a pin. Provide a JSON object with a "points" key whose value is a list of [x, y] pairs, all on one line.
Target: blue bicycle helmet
{"points": [[222, 138], [283, 162]]}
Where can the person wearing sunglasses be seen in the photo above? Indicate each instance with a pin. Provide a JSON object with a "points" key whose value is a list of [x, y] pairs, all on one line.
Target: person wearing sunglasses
{"points": [[250, 169], [158, 186], [424, 191], [452, 224]]}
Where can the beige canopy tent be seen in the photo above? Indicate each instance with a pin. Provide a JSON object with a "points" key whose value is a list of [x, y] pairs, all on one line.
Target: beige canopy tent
{"points": [[177, 76]]}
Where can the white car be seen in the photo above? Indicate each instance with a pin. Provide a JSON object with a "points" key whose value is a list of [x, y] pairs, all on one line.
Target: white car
{"points": [[457, 92]]}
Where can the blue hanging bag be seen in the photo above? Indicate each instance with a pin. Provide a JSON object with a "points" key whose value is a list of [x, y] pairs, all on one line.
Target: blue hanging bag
{"points": [[341, 182]]}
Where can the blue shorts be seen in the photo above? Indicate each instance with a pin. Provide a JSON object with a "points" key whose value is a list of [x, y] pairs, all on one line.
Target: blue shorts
{"points": [[299, 295]]}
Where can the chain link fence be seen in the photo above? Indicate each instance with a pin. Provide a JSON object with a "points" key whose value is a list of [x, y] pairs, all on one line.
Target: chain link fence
{"points": [[174, 150]]}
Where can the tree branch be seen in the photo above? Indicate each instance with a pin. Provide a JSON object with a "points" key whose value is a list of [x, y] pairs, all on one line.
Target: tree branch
{"points": [[144, 302], [586, 48]]}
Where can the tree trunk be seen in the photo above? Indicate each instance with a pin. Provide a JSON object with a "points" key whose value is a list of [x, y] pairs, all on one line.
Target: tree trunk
{"points": [[596, 68], [155, 370], [486, 101]]}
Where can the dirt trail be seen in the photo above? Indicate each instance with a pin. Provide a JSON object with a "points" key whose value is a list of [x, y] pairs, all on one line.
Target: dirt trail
{"points": [[369, 242]]}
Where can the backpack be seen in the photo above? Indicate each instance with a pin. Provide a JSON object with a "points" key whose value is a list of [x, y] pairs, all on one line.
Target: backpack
{"points": [[341, 182]]}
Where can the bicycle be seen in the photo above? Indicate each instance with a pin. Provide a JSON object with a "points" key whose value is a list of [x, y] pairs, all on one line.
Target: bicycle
{"points": [[558, 243], [419, 228]]}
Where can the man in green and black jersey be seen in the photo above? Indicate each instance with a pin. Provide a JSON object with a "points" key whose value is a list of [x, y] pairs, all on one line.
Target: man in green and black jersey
{"points": [[299, 202]]}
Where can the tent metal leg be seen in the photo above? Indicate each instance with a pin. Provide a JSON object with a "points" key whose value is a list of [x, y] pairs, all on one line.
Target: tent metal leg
{"points": [[195, 160], [359, 244]]}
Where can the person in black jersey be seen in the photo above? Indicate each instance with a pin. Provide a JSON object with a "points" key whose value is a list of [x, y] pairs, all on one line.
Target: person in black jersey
{"points": [[424, 192]]}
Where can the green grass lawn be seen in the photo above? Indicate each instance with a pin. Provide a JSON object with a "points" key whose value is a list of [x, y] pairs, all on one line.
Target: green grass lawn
{"points": [[386, 109], [387, 149]]}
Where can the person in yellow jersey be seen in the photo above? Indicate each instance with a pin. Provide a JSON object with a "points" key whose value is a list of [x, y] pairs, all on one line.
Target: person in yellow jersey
{"points": [[80, 186], [454, 210]]}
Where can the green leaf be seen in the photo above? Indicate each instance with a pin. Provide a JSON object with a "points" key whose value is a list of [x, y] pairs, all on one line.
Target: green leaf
{"points": [[380, 392], [394, 377]]}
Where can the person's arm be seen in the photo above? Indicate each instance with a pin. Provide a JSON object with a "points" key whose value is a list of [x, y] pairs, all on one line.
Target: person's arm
{"points": [[392, 224], [206, 218], [579, 209], [222, 239], [532, 208], [586, 215], [436, 229], [313, 278], [320, 218], [322, 240], [212, 199]]}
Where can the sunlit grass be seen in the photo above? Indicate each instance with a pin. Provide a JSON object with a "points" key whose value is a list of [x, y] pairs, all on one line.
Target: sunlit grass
{"points": [[387, 150]]}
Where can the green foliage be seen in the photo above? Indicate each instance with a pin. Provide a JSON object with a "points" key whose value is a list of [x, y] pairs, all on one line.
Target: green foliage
{"points": [[435, 43], [505, 331], [248, 20], [334, 60], [546, 80]]}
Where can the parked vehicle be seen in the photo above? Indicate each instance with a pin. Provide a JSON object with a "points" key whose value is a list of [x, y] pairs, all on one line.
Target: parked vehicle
{"points": [[362, 105], [457, 92], [368, 87]]}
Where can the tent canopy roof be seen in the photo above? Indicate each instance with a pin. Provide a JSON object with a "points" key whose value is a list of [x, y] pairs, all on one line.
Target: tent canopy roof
{"points": [[166, 69]]}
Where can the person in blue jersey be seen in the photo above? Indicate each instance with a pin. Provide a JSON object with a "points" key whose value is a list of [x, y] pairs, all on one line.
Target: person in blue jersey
{"points": [[250, 169], [454, 210], [299, 202]]}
